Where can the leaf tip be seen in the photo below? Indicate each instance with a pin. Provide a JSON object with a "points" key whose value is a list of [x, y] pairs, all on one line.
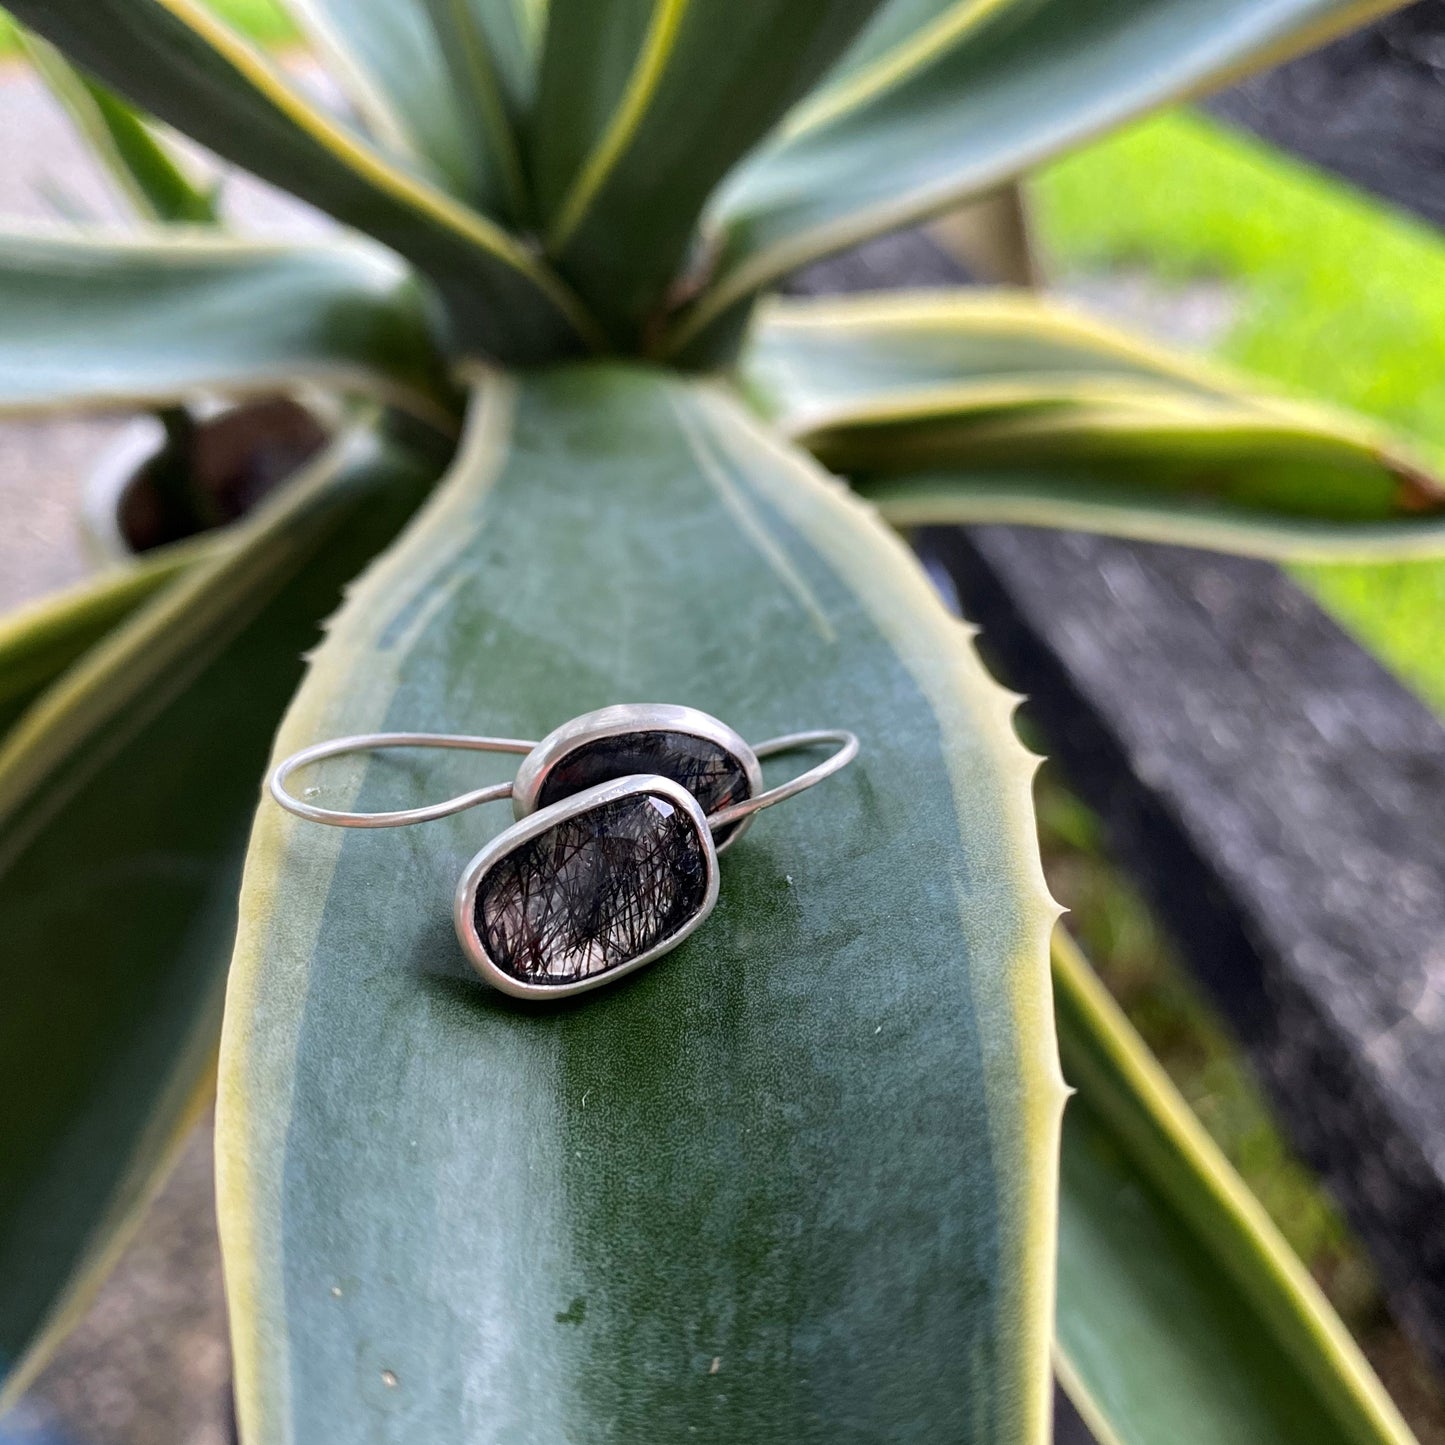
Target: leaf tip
{"points": [[1418, 490]]}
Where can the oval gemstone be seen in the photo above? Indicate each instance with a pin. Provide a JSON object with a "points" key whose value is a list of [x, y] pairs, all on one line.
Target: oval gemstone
{"points": [[705, 768], [595, 891]]}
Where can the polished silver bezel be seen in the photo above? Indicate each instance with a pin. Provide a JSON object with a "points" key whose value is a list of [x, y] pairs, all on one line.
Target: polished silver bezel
{"points": [[464, 904], [631, 718]]}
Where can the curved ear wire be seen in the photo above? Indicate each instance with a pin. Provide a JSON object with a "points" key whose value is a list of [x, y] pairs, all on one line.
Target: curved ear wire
{"points": [[794, 742], [846, 742], [374, 742]]}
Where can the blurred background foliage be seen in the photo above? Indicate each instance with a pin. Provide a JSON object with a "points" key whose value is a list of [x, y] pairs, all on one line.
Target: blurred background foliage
{"points": [[263, 20]]}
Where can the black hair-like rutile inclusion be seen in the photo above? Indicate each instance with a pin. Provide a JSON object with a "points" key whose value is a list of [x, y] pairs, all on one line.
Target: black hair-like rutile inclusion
{"points": [[594, 891], [705, 768]]}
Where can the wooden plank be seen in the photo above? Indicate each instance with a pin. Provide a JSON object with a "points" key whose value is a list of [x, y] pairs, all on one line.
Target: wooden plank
{"points": [[1369, 107], [1280, 798]]}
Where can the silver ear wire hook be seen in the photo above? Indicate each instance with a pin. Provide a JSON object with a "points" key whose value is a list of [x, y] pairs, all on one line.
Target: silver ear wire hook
{"points": [[372, 742], [793, 742]]}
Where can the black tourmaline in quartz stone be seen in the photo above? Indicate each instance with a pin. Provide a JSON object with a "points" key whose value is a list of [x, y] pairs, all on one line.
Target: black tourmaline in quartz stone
{"points": [[705, 768], [593, 892]]}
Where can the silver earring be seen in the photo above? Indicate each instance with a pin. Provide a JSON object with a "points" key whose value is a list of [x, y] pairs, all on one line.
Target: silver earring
{"points": [[613, 859]]}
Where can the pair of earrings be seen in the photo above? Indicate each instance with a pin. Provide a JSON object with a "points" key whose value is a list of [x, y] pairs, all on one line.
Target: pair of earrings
{"points": [[613, 860]]}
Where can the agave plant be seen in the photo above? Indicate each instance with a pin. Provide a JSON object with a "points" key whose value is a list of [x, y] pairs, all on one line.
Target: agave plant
{"points": [[800, 1180]]}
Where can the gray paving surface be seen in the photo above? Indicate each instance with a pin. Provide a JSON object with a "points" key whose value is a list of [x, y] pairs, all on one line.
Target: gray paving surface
{"points": [[150, 1363]]}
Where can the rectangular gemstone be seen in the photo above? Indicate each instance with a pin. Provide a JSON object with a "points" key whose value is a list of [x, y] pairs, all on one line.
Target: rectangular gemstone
{"points": [[705, 768], [594, 891]]}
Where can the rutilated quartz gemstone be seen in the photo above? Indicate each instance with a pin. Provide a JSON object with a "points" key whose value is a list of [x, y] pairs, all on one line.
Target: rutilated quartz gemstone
{"points": [[705, 768], [593, 892]]}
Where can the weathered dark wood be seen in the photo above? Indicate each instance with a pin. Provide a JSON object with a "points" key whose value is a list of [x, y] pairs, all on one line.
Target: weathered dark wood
{"points": [[1370, 107], [1280, 796], [1069, 1427], [1281, 799]]}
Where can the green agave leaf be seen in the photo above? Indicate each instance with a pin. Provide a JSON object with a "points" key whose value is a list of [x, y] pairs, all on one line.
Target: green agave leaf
{"points": [[490, 105], [436, 82], [175, 60], [1182, 1315], [952, 409], [1065, 499], [531, 24], [794, 1181], [389, 62], [642, 106], [966, 98], [126, 793], [1291, 466], [103, 319], [904, 37], [512, 32], [40, 641], [812, 364], [149, 176]]}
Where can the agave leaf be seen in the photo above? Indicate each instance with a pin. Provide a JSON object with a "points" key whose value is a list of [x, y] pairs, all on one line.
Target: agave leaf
{"points": [[1291, 465], [142, 165], [953, 409], [964, 100], [437, 82], [1043, 498], [792, 1181], [1258, 486], [175, 60], [642, 106], [512, 32], [126, 793], [104, 319], [904, 37], [387, 59], [1182, 1315], [811, 364], [489, 107], [531, 26], [40, 641]]}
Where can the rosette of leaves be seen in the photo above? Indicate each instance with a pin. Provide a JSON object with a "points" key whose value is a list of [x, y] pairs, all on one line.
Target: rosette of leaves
{"points": [[800, 1180]]}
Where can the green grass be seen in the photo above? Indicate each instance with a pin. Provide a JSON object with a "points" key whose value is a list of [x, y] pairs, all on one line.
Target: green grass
{"points": [[265, 21], [1339, 298]]}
